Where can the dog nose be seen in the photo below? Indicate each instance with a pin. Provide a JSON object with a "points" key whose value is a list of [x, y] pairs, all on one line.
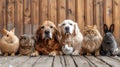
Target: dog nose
{"points": [[47, 32], [66, 28]]}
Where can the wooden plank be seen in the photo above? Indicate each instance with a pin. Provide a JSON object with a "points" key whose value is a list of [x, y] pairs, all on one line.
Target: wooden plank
{"points": [[97, 12], [62, 60], [70, 9], [52, 11], [5, 13], [5, 59], [29, 63], [89, 62], [116, 18], [15, 61], [61, 12], [89, 12], [80, 16], [80, 62], [35, 15], [110, 61], [27, 17], [69, 61], [43, 10], [57, 62], [19, 17], [108, 12], [97, 62], [1, 15], [10, 14], [101, 16], [44, 61]]}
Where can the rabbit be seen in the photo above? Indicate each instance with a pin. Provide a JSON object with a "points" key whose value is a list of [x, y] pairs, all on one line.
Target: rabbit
{"points": [[67, 50], [109, 45], [27, 43], [9, 43]]}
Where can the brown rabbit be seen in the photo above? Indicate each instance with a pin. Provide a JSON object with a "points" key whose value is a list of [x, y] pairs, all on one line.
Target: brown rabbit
{"points": [[9, 43]]}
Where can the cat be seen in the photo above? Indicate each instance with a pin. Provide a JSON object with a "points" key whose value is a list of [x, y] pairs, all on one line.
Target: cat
{"points": [[92, 41]]}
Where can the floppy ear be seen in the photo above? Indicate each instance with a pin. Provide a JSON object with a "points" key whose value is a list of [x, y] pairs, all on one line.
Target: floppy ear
{"points": [[4, 31], [111, 29], [38, 35], [105, 28], [57, 35], [76, 29]]}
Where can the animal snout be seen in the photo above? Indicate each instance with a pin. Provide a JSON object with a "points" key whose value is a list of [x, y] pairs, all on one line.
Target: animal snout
{"points": [[67, 29], [47, 32]]}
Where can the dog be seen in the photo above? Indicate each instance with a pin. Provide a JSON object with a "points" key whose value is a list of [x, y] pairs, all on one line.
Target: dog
{"points": [[47, 40], [71, 36]]}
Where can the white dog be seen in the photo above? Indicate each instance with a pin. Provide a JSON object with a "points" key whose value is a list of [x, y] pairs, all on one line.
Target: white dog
{"points": [[71, 37]]}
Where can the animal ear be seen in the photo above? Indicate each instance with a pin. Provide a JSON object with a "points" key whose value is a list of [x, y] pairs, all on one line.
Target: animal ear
{"points": [[38, 35], [94, 26], [4, 31], [13, 30], [111, 29], [76, 29], [105, 28], [21, 37], [57, 35]]}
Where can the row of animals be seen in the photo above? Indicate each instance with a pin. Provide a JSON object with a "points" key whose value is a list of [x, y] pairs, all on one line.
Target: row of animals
{"points": [[64, 39]]}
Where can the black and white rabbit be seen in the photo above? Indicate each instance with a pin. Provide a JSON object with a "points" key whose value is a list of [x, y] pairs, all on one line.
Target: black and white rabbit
{"points": [[109, 45]]}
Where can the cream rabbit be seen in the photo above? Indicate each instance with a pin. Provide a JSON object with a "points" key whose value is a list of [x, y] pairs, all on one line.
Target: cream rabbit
{"points": [[9, 43]]}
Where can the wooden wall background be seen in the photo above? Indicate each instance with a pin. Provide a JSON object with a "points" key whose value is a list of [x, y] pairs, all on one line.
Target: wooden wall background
{"points": [[26, 15]]}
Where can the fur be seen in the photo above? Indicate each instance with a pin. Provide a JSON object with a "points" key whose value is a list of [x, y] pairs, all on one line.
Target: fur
{"points": [[9, 43], [48, 44], [92, 40], [27, 43], [72, 37]]}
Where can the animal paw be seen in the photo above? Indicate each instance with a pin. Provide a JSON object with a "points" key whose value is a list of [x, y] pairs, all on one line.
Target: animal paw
{"points": [[6, 54], [12, 54], [76, 52], [53, 53], [34, 54]]}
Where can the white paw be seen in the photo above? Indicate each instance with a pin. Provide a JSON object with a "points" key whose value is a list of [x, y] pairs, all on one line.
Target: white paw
{"points": [[53, 53], [76, 52]]}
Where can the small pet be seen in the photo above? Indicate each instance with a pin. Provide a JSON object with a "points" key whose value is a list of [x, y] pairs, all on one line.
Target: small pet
{"points": [[9, 43], [71, 36], [109, 45], [27, 43], [92, 41]]}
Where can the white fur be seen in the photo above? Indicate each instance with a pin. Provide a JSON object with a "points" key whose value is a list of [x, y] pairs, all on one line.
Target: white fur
{"points": [[77, 40], [67, 50]]}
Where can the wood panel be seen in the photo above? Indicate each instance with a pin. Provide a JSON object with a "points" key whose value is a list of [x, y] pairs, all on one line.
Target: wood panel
{"points": [[27, 15]]}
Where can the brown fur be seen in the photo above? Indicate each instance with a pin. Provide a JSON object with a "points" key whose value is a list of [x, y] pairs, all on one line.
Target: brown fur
{"points": [[92, 41], [48, 46], [27, 43], [9, 43]]}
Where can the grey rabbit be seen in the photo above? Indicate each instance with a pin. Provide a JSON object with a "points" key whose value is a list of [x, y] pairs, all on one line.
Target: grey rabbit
{"points": [[27, 43], [109, 45]]}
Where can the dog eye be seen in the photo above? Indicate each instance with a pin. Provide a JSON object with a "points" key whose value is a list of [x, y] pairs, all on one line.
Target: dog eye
{"points": [[51, 26], [70, 24], [42, 27], [63, 24]]}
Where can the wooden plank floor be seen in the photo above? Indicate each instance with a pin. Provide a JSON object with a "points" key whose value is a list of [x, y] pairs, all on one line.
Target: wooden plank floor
{"points": [[60, 61]]}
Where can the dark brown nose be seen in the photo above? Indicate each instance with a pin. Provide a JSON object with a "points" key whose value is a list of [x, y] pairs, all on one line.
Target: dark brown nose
{"points": [[47, 32], [67, 29]]}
